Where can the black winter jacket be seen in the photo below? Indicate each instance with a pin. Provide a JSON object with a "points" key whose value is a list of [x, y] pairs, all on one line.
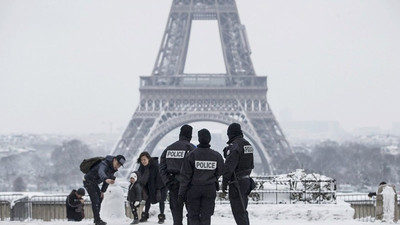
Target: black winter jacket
{"points": [[101, 172], [135, 190], [172, 160], [152, 185], [239, 158], [75, 209], [203, 166]]}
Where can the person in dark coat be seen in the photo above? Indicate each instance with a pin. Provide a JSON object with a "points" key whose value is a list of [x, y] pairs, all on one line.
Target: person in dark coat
{"points": [[101, 173], [154, 190], [200, 172], [134, 195], [239, 162], [170, 168], [75, 203]]}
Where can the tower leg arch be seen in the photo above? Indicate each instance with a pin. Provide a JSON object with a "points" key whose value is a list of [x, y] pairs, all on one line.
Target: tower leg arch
{"points": [[162, 128]]}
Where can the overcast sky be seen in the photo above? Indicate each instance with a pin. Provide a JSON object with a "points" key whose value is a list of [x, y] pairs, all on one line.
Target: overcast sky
{"points": [[73, 66]]}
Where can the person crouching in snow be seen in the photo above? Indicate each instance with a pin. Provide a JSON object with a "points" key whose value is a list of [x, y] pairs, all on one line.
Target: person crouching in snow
{"points": [[75, 205], [134, 195]]}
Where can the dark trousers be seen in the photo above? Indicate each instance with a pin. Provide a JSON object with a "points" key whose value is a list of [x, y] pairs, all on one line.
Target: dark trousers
{"points": [[175, 205], [134, 210], [201, 204], [95, 197], [239, 211], [147, 206]]}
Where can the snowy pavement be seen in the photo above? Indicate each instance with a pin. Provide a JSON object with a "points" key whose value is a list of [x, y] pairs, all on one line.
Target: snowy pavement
{"points": [[219, 221], [299, 214]]}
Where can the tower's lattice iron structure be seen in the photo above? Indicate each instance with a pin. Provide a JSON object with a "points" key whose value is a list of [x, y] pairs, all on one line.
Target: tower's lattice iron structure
{"points": [[170, 98]]}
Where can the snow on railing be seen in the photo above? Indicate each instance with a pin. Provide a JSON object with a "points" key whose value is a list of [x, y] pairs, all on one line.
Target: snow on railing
{"points": [[270, 190]]}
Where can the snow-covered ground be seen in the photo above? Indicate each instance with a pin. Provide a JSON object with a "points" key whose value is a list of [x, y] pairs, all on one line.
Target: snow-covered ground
{"points": [[113, 212], [298, 214]]}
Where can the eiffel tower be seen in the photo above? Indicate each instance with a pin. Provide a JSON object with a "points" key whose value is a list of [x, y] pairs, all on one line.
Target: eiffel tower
{"points": [[170, 98]]}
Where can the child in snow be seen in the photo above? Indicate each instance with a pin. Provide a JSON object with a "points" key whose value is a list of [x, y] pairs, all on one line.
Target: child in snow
{"points": [[134, 195]]}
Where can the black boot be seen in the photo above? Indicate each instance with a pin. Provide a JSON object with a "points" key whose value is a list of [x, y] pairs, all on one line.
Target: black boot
{"points": [[100, 222], [161, 218], [144, 218], [135, 217]]}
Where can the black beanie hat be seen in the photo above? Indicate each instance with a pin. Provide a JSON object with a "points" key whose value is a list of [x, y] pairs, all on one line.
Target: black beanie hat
{"points": [[234, 130], [81, 191], [204, 138], [186, 131]]}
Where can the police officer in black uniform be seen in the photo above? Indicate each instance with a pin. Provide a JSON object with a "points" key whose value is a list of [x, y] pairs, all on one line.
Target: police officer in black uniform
{"points": [[238, 166], [200, 172], [101, 173], [170, 167]]}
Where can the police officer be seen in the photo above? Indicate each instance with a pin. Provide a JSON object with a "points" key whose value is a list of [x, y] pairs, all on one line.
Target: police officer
{"points": [[200, 172], [170, 167], [238, 166], [101, 173]]}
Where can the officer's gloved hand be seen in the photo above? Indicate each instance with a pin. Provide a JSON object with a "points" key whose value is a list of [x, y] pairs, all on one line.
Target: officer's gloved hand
{"points": [[182, 198], [226, 151], [136, 204], [224, 186], [217, 186], [170, 176], [172, 182]]}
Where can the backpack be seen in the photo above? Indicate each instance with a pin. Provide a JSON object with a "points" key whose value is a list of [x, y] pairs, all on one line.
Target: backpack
{"points": [[87, 164]]}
